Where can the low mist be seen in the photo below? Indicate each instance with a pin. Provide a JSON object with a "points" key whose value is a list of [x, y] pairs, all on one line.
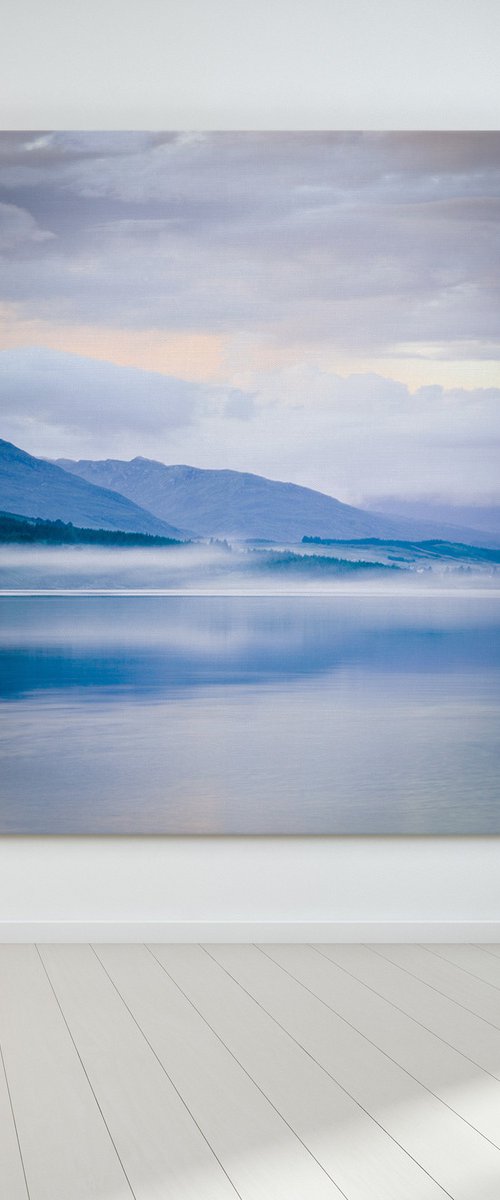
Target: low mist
{"points": [[220, 568]]}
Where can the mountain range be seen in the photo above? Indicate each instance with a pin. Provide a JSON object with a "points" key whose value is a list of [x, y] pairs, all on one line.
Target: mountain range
{"points": [[32, 487], [144, 496], [241, 506]]}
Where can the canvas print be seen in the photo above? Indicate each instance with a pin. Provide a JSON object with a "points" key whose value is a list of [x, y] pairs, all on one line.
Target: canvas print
{"points": [[249, 483]]}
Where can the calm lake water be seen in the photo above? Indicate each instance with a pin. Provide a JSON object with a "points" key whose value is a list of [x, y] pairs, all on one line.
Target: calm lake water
{"points": [[261, 714]]}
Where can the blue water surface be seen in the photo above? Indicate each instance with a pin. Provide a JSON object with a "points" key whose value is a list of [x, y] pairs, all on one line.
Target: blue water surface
{"points": [[250, 714]]}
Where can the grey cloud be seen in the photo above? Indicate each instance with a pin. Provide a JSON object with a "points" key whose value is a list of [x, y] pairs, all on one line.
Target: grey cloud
{"points": [[346, 436], [240, 406], [80, 394], [31, 152], [365, 241], [18, 229]]}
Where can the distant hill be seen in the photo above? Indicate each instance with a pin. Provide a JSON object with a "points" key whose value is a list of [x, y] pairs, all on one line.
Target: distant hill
{"points": [[35, 488], [240, 506], [431, 551], [483, 518], [30, 530]]}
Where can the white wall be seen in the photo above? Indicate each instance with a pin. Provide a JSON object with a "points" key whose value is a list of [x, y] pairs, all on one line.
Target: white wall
{"points": [[250, 64], [255, 888]]}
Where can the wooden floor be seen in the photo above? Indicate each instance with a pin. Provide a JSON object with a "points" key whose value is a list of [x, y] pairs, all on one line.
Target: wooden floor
{"points": [[265, 1073]]}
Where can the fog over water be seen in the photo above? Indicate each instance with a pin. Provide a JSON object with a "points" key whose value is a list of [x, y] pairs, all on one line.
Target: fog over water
{"points": [[221, 567]]}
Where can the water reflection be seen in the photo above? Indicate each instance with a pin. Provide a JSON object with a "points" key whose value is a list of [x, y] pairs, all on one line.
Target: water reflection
{"points": [[156, 645], [250, 715]]}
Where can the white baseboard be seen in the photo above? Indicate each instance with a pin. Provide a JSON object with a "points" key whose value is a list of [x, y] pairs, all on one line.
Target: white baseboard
{"points": [[258, 931]]}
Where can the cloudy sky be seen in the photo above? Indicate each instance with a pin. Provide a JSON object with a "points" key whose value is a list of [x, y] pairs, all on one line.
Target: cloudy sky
{"points": [[321, 307]]}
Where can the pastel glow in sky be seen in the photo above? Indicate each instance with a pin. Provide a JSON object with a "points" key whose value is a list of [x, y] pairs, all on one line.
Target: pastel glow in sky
{"points": [[317, 307]]}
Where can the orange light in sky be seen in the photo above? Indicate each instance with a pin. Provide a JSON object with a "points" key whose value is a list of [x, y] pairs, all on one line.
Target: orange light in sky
{"points": [[184, 354]]}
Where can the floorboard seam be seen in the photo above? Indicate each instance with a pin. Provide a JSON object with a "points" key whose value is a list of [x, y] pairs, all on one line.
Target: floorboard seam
{"points": [[327, 1072], [394, 1060], [408, 1016], [478, 978], [247, 1073], [483, 950], [438, 991], [386, 1055], [165, 1072], [28, 1193], [84, 1069]]}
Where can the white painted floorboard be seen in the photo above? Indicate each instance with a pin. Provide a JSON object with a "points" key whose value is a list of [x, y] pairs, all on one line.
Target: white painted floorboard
{"points": [[464, 1087], [163, 1151], [458, 1028], [65, 1145], [263, 1156], [352, 1147], [473, 994], [495, 950], [472, 959], [265, 1073], [12, 1178]]}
